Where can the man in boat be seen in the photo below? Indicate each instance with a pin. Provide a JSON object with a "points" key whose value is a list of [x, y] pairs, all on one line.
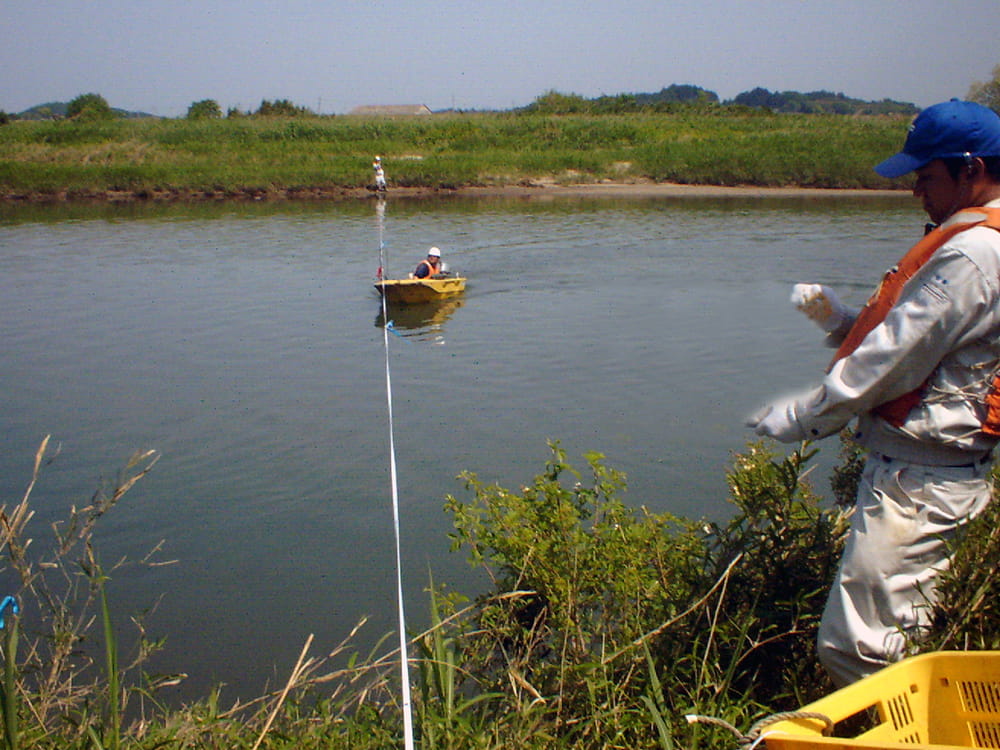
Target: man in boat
{"points": [[379, 174], [430, 266], [919, 366]]}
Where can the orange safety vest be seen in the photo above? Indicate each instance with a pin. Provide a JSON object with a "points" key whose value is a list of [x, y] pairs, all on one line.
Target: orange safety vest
{"points": [[887, 294], [431, 270]]}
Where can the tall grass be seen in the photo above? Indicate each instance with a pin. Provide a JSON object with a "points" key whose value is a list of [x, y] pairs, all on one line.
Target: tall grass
{"points": [[241, 155], [8, 697], [55, 693]]}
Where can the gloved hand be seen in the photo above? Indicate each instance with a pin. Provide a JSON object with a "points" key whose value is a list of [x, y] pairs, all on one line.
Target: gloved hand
{"points": [[821, 305], [778, 421]]}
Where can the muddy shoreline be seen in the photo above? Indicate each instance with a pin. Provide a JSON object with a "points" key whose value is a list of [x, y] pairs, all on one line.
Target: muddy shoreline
{"points": [[534, 190]]}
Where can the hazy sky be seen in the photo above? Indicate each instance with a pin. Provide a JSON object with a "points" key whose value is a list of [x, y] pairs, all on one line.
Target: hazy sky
{"points": [[159, 56]]}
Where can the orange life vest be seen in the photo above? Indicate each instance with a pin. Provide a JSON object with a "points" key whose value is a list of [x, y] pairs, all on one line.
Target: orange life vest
{"points": [[431, 268], [887, 294]]}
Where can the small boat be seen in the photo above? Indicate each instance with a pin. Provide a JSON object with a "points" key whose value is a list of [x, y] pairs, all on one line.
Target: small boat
{"points": [[416, 291]]}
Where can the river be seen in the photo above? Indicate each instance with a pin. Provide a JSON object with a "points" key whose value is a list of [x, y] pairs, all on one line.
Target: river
{"points": [[244, 343]]}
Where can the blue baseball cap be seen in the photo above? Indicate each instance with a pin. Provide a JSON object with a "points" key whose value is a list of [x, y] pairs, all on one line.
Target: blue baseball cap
{"points": [[953, 128]]}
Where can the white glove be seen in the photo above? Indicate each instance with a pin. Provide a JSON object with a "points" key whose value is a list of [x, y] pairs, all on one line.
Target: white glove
{"points": [[778, 421], [821, 305]]}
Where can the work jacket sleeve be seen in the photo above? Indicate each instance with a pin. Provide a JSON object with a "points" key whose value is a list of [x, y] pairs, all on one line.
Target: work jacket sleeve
{"points": [[944, 304]]}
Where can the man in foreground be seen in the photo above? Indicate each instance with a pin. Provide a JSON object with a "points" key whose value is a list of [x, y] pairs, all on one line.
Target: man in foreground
{"points": [[918, 366]]}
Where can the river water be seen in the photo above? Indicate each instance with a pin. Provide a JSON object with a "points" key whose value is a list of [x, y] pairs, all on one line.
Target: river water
{"points": [[244, 343]]}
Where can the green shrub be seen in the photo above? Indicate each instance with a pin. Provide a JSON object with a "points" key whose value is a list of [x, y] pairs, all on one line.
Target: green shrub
{"points": [[280, 108], [89, 107], [601, 613], [204, 109]]}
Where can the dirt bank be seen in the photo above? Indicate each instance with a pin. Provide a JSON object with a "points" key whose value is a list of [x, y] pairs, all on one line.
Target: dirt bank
{"points": [[540, 190]]}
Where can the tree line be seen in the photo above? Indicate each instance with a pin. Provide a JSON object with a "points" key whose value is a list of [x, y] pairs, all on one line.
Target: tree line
{"points": [[669, 98], [672, 97], [95, 107]]}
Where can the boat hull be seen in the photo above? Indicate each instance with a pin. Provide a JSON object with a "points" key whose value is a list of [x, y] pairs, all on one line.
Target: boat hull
{"points": [[417, 291]]}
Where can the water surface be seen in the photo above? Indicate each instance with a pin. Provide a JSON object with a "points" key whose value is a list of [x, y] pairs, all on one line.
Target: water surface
{"points": [[245, 343]]}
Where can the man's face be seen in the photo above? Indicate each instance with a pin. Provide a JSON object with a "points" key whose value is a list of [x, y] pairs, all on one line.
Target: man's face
{"points": [[940, 192]]}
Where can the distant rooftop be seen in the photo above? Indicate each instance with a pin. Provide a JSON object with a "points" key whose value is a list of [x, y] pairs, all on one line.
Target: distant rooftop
{"points": [[391, 109]]}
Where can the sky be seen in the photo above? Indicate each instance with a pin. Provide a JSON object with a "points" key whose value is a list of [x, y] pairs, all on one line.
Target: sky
{"points": [[160, 56]]}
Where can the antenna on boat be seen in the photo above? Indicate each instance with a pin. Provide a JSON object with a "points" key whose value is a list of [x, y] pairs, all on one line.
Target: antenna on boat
{"points": [[404, 667]]}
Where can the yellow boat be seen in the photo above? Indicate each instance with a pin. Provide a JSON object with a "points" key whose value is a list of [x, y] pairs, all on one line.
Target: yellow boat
{"points": [[417, 291]]}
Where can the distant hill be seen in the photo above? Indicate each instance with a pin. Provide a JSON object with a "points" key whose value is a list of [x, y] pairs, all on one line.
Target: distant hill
{"points": [[670, 97], [820, 102], [553, 102], [57, 110], [683, 92]]}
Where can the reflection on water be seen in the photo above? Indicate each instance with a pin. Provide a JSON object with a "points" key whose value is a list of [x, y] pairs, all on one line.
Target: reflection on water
{"points": [[421, 321]]}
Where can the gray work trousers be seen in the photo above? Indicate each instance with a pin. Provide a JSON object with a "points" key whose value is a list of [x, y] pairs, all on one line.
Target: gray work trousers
{"points": [[904, 517]]}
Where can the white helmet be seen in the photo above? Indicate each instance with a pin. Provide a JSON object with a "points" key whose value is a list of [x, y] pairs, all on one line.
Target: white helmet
{"points": [[435, 252], [378, 158]]}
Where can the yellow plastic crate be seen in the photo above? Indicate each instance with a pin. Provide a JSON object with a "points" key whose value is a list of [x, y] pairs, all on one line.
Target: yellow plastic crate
{"points": [[940, 700]]}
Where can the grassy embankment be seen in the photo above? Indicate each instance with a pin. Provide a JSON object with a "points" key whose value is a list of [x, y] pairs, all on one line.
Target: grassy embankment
{"points": [[323, 156]]}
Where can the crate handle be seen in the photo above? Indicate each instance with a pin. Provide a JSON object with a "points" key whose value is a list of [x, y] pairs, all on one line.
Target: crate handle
{"points": [[753, 735]]}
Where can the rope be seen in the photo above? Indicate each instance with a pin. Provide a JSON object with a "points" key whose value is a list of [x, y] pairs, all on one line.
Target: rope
{"points": [[754, 735], [11, 602], [404, 667]]}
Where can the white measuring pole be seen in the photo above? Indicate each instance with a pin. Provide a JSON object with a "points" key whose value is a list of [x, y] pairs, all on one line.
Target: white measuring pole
{"points": [[404, 666]]}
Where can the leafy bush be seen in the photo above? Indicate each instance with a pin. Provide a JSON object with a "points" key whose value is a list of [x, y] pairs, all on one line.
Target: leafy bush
{"points": [[206, 108], [987, 93], [280, 108], [607, 621], [90, 107]]}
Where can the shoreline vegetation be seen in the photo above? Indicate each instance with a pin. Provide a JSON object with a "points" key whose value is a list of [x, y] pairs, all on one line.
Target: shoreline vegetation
{"points": [[603, 627], [685, 152]]}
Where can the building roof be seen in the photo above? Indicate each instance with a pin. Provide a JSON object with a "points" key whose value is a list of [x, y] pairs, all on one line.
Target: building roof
{"points": [[391, 109]]}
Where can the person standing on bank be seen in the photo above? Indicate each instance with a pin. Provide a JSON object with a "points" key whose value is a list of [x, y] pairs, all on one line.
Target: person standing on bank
{"points": [[379, 174], [919, 366], [429, 266]]}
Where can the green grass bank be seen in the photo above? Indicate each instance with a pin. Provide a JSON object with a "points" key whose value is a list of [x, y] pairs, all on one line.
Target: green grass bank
{"points": [[330, 156]]}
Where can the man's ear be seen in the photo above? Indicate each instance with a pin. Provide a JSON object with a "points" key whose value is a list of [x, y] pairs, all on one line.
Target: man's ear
{"points": [[974, 165]]}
